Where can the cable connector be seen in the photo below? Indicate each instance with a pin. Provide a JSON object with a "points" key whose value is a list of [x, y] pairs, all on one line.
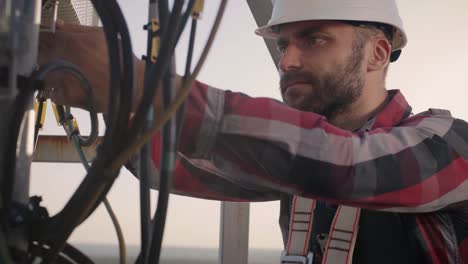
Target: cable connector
{"points": [[76, 129], [73, 129], [57, 114], [198, 8], [155, 40], [63, 118], [40, 107]]}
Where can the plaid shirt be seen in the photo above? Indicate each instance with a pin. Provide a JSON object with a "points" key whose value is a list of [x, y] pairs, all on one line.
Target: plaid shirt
{"points": [[238, 148]]}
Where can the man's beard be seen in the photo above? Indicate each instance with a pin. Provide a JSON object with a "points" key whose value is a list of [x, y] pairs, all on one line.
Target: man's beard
{"points": [[332, 93]]}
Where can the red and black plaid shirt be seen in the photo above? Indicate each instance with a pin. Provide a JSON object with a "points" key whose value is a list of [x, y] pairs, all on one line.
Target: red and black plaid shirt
{"points": [[234, 147]]}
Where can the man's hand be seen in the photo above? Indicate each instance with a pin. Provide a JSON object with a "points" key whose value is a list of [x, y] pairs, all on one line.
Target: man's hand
{"points": [[85, 47]]}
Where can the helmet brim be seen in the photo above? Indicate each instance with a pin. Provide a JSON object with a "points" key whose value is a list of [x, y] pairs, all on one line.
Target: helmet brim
{"points": [[269, 31]]}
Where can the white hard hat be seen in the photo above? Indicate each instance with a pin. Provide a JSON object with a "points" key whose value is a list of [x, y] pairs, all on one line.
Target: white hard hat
{"points": [[380, 11]]}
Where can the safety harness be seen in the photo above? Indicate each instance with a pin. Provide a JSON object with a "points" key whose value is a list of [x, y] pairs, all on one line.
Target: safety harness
{"points": [[338, 246]]}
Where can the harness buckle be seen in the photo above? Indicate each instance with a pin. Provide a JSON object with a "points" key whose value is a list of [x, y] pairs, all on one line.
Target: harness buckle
{"points": [[286, 259]]}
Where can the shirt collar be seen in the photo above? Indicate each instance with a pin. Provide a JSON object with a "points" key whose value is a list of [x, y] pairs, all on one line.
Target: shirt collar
{"points": [[394, 112]]}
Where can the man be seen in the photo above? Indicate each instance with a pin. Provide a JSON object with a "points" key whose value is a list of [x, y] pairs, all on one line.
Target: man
{"points": [[390, 187]]}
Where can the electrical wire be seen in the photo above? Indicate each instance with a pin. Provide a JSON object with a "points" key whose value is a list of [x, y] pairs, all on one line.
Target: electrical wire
{"points": [[188, 67], [64, 66], [157, 70], [168, 154], [147, 252], [77, 139], [104, 169], [180, 98], [92, 190], [185, 18], [168, 149], [188, 64], [145, 169], [69, 254], [116, 33], [167, 26], [121, 86], [110, 211], [5, 256], [128, 69]]}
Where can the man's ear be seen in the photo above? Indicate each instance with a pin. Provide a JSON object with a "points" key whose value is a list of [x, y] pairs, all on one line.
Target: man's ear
{"points": [[380, 54]]}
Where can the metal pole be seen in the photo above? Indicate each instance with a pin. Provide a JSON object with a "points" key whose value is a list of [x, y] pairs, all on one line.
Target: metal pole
{"points": [[19, 32], [28, 43], [234, 233], [8, 89]]}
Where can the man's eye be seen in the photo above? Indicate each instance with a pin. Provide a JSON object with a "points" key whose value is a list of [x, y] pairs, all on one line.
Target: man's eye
{"points": [[281, 49], [313, 41]]}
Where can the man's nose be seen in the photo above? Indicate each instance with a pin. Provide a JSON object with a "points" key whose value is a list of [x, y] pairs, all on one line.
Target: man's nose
{"points": [[291, 59]]}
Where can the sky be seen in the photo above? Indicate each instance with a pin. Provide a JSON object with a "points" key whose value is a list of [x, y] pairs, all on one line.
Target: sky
{"points": [[431, 73]]}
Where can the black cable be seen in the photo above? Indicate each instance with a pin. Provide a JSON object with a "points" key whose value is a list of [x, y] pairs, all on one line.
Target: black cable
{"points": [[115, 26], [164, 15], [159, 9], [76, 255], [110, 211], [145, 204], [99, 180], [168, 149], [145, 169], [185, 18], [128, 70], [188, 67], [118, 119], [114, 72], [167, 161], [5, 256], [182, 94], [121, 86], [188, 64], [157, 71], [60, 65], [78, 140], [92, 190], [69, 255]]}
